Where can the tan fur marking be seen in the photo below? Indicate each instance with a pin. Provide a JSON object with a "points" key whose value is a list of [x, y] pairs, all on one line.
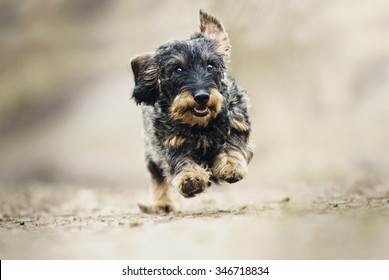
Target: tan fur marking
{"points": [[183, 104], [162, 201], [205, 144], [230, 165], [175, 141], [239, 125], [179, 58]]}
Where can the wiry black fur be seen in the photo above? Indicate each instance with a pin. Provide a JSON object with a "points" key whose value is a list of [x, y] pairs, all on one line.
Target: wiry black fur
{"points": [[195, 148]]}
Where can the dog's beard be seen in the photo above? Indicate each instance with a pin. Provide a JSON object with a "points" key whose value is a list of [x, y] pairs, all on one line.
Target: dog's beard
{"points": [[185, 109]]}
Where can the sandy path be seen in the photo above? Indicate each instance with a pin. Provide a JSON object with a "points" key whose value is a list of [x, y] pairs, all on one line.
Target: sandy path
{"points": [[65, 222]]}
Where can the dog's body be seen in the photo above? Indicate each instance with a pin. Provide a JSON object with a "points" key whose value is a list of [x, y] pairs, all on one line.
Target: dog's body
{"points": [[195, 116]]}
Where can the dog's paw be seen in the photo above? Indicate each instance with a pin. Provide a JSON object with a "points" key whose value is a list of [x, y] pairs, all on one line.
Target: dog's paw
{"points": [[191, 183], [231, 173], [230, 167], [165, 208]]}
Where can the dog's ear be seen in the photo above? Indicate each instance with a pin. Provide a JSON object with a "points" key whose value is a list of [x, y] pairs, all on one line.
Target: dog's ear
{"points": [[213, 29], [146, 79]]}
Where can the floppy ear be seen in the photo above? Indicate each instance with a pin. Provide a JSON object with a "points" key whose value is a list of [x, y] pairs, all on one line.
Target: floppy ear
{"points": [[212, 28], [146, 79]]}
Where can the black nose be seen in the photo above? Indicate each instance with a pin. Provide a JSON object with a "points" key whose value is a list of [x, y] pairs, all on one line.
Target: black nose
{"points": [[201, 97]]}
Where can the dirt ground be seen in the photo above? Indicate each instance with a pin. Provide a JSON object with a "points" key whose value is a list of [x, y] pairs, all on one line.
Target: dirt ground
{"points": [[228, 222]]}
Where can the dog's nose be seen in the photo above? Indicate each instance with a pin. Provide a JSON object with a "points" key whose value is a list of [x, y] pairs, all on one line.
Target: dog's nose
{"points": [[201, 97]]}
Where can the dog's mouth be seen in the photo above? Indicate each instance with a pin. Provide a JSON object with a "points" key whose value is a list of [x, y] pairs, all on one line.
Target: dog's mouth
{"points": [[200, 111]]}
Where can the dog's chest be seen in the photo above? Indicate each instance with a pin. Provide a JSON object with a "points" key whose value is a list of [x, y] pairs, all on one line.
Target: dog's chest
{"points": [[202, 143], [203, 147], [192, 142]]}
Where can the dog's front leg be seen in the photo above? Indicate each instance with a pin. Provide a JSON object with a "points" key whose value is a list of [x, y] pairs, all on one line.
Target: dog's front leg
{"points": [[190, 178], [231, 164]]}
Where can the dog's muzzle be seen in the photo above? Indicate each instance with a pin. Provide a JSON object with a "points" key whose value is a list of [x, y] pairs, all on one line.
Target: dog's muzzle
{"points": [[201, 97]]}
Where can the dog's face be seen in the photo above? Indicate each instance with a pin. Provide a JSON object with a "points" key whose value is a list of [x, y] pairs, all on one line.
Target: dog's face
{"points": [[185, 76]]}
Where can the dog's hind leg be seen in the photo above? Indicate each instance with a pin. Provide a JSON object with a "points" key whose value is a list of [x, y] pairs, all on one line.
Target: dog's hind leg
{"points": [[160, 189]]}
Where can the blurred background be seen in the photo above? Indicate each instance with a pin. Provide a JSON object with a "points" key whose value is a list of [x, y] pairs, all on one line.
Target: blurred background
{"points": [[317, 73]]}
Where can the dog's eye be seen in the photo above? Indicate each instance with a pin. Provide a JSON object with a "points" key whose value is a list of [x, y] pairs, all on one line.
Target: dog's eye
{"points": [[209, 67], [179, 70]]}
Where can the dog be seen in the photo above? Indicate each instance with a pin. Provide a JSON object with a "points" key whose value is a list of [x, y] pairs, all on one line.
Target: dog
{"points": [[195, 116]]}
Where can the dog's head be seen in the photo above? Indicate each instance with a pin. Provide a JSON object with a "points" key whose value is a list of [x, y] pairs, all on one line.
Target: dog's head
{"points": [[185, 77]]}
